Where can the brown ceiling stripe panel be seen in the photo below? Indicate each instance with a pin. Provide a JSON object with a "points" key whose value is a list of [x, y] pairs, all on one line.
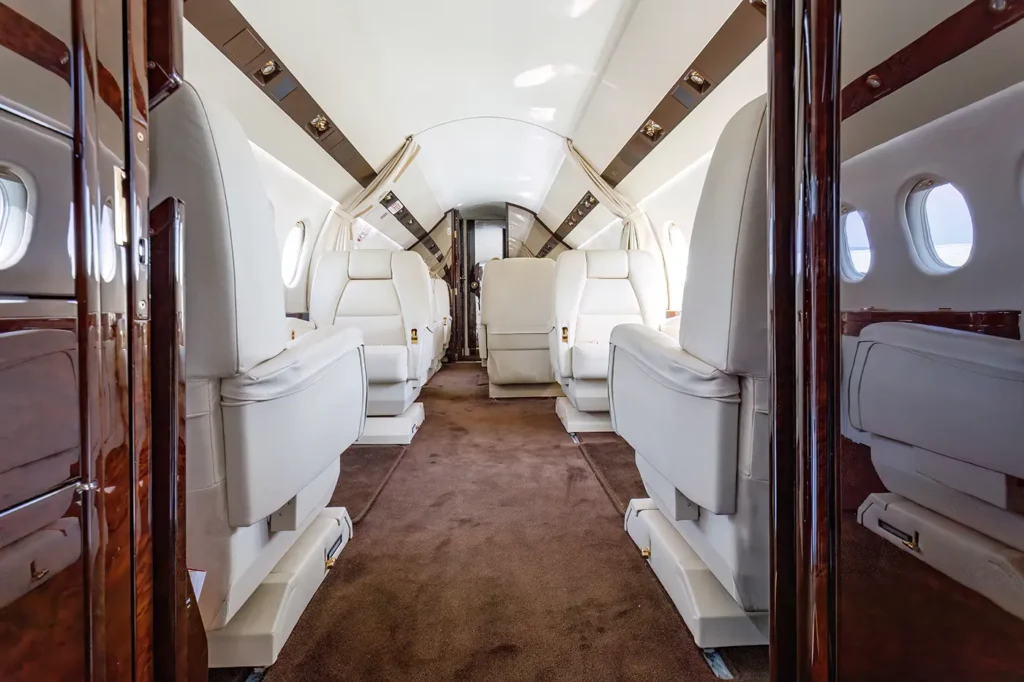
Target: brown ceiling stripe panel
{"points": [[738, 37], [580, 211], [397, 208], [968, 28], [224, 26]]}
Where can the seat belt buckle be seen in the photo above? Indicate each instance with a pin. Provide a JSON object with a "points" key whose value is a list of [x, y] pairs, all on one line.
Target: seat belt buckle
{"points": [[415, 337], [565, 335]]}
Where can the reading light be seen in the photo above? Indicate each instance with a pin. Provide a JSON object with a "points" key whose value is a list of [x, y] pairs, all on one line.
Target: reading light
{"points": [[269, 69], [652, 130], [695, 77], [874, 81], [320, 123]]}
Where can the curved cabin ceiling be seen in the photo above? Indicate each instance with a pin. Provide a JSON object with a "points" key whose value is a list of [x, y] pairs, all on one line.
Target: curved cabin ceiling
{"points": [[462, 72], [491, 88]]}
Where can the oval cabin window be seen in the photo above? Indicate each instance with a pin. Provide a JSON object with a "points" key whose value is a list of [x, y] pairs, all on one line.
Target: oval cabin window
{"points": [[15, 217], [940, 223], [856, 247], [292, 256]]}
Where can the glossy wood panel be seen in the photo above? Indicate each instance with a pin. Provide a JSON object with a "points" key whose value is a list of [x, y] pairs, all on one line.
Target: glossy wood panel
{"points": [[42, 598], [137, 189], [805, 343], [165, 53], [1001, 323], [818, 366], [176, 647], [782, 212], [39, 401]]}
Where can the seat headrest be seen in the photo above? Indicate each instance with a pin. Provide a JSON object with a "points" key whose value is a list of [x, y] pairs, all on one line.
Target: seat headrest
{"points": [[612, 264], [370, 264]]}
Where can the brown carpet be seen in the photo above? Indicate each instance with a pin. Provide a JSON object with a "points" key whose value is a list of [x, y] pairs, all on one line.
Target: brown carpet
{"points": [[902, 619], [492, 554], [365, 470], [615, 466]]}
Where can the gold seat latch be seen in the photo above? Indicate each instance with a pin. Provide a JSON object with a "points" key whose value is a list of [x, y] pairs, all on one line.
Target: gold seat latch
{"points": [[415, 336], [565, 335]]}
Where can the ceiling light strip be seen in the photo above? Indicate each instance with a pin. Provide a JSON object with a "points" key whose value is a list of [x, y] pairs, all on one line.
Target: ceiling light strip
{"points": [[966, 29], [225, 27], [738, 37]]}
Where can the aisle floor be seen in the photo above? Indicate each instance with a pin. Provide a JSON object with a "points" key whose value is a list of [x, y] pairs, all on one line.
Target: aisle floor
{"points": [[493, 554]]}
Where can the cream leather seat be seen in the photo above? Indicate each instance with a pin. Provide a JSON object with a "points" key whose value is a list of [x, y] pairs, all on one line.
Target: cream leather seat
{"points": [[696, 409], [267, 417], [942, 409], [387, 295], [594, 292], [442, 324], [517, 310]]}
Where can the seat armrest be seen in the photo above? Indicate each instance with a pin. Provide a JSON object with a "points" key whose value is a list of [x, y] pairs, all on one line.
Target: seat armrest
{"points": [[295, 368], [1002, 355], [298, 327], [670, 327], [661, 358]]}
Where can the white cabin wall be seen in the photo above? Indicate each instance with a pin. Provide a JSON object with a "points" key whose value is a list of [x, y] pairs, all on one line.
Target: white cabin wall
{"points": [[980, 149], [295, 199]]}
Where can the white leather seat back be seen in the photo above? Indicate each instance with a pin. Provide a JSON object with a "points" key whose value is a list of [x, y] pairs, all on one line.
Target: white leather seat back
{"points": [[387, 295], [384, 293], [357, 289], [597, 290], [517, 312], [235, 309], [518, 296], [724, 318]]}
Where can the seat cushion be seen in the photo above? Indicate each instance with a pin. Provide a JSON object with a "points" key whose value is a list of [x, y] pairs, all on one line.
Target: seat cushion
{"points": [[387, 364], [590, 360], [955, 393]]}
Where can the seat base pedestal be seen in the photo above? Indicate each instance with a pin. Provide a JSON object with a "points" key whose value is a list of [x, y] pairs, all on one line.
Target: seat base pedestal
{"points": [[976, 561], [255, 636], [709, 611], [576, 421], [552, 390], [398, 430]]}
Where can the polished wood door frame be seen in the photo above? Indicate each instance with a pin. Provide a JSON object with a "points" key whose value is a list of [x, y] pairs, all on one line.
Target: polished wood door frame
{"points": [[805, 339], [782, 213]]}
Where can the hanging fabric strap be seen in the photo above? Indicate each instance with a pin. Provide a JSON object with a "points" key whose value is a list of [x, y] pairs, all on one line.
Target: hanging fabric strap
{"points": [[633, 219]]}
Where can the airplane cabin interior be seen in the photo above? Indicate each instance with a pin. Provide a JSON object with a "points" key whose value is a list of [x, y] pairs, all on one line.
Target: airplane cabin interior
{"points": [[540, 340]]}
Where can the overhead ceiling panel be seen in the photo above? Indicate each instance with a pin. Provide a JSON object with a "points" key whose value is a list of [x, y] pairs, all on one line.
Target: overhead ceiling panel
{"points": [[459, 161], [385, 69], [661, 40], [264, 123]]}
